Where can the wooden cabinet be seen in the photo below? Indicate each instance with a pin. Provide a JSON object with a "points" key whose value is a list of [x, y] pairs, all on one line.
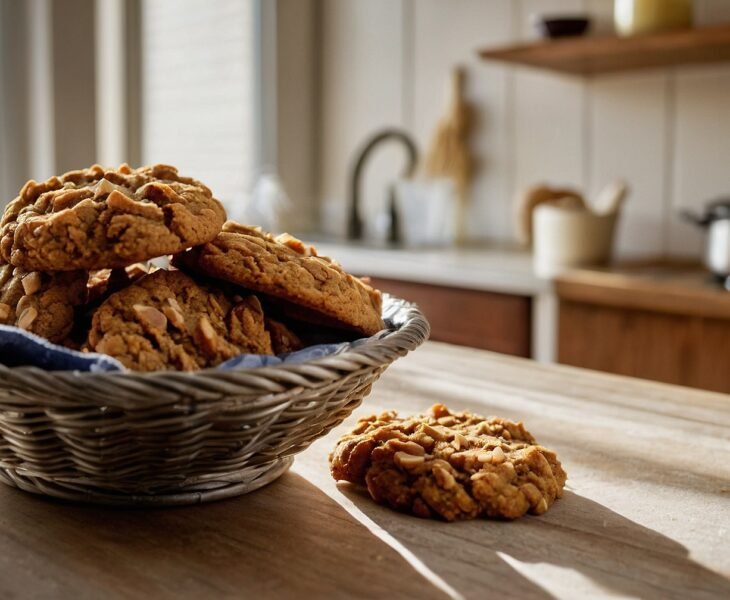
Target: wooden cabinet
{"points": [[610, 54], [656, 330], [684, 350], [479, 319]]}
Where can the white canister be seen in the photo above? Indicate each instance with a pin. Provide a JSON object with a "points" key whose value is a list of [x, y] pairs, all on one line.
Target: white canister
{"points": [[565, 238], [426, 211]]}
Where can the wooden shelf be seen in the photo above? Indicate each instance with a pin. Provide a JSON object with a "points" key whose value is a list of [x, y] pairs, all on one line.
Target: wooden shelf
{"points": [[594, 55]]}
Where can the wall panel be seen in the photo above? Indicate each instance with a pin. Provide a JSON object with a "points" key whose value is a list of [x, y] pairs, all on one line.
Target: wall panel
{"points": [[665, 131], [447, 34], [702, 149], [362, 91], [628, 136]]}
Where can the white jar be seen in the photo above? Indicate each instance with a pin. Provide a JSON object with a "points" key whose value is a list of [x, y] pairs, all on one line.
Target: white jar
{"points": [[565, 238]]}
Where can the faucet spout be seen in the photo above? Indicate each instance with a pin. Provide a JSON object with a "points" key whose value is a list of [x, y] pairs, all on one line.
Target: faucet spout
{"points": [[355, 222]]}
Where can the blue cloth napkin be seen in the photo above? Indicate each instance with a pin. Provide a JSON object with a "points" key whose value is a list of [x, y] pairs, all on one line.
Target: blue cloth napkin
{"points": [[21, 348]]}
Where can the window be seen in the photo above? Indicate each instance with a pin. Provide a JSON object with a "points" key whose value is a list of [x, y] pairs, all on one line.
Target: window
{"points": [[223, 89], [198, 99]]}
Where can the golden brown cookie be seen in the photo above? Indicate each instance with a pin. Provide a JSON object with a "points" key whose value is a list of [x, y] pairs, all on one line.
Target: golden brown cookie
{"points": [[101, 284], [308, 287], [450, 465], [104, 282], [42, 303], [100, 218], [283, 339], [167, 321]]}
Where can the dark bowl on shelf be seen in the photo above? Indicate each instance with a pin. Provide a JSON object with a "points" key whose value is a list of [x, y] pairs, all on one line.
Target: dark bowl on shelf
{"points": [[558, 27]]}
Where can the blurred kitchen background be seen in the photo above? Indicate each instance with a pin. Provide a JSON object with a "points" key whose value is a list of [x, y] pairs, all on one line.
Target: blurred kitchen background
{"points": [[533, 210]]}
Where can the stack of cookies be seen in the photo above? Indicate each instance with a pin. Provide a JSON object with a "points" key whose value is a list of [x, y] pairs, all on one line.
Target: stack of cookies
{"points": [[75, 254]]}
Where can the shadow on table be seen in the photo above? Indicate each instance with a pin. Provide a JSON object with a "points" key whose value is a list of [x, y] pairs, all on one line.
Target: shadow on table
{"points": [[290, 539], [286, 540], [589, 540]]}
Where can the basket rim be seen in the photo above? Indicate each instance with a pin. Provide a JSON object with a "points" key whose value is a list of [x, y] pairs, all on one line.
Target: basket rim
{"points": [[411, 331]]}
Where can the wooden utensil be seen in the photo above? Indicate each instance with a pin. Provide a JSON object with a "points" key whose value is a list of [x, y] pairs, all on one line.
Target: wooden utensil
{"points": [[448, 154]]}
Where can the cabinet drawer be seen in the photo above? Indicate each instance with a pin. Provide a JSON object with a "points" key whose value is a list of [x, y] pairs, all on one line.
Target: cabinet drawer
{"points": [[487, 320], [681, 349]]}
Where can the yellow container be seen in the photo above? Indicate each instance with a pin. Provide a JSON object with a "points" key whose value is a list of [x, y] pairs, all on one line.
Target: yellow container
{"points": [[633, 17]]}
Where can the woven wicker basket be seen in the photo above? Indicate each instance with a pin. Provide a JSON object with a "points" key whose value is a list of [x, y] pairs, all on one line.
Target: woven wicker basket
{"points": [[173, 438]]}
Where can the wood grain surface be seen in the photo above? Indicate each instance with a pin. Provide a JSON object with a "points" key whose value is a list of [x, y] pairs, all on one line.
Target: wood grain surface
{"points": [[666, 321], [676, 290], [683, 350], [646, 513], [610, 54]]}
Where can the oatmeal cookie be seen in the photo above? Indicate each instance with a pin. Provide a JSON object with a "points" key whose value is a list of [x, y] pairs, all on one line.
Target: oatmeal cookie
{"points": [[104, 282], [450, 465], [167, 321], [104, 218], [308, 287], [42, 303], [283, 339]]}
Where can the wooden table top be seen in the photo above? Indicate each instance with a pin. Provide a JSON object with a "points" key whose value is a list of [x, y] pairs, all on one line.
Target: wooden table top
{"points": [[646, 513]]}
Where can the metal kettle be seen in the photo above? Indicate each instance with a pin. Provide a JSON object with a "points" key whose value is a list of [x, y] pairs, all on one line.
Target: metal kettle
{"points": [[716, 219]]}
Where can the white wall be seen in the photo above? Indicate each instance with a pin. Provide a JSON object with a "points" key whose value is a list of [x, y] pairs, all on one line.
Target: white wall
{"points": [[46, 90], [667, 131], [297, 110], [200, 81], [14, 118]]}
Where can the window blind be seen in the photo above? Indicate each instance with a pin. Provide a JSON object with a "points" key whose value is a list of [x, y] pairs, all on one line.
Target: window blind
{"points": [[198, 84]]}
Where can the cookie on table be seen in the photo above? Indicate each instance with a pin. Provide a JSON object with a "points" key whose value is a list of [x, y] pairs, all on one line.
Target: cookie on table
{"points": [[307, 287], [42, 303], [104, 218], [166, 320], [450, 465]]}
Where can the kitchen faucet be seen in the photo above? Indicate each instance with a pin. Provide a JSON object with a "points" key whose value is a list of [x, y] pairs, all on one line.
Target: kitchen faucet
{"points": [[355, 223]]}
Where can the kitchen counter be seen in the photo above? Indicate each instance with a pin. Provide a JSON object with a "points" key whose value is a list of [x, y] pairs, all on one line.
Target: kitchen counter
{"points": [[646, 512], [490, 268], [675, 288], [664, 321], [502, 269]]}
